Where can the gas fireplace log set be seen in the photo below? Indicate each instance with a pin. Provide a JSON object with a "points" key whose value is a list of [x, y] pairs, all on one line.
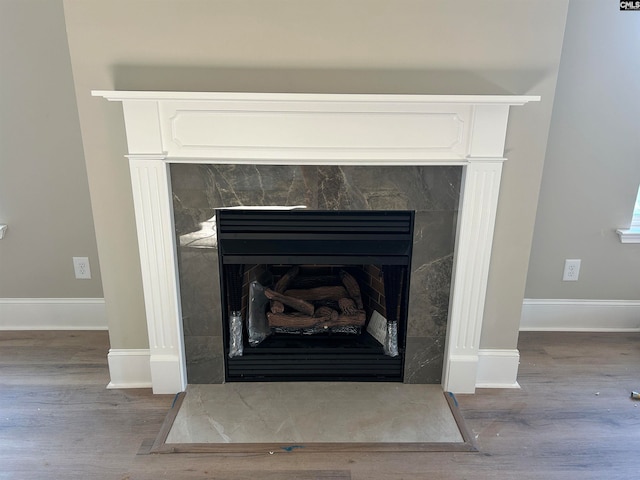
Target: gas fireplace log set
{"points": [[326, 297], [321, 276]]}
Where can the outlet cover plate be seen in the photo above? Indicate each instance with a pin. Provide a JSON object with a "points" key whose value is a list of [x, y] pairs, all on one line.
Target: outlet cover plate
{"points": [[571, 270], [81, 268]]}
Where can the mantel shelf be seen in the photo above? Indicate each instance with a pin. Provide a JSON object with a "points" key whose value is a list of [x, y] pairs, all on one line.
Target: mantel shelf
{"points": [[122, 95]]}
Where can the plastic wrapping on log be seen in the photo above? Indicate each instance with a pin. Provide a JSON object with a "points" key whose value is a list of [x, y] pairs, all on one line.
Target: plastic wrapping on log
{"points": [[391, 340], [257, 324], [235, 335]]}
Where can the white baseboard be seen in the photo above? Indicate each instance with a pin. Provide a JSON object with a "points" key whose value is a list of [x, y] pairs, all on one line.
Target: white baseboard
{"points": [[497, 368], [580, 315], [129, 368], [52, 314]]}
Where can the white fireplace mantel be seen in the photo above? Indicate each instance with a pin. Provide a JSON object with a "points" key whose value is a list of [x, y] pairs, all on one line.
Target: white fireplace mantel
{"points": [[314, 129]]}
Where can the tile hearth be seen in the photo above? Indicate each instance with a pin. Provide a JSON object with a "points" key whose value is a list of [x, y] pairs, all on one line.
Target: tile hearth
{"points": [[314, 412]]}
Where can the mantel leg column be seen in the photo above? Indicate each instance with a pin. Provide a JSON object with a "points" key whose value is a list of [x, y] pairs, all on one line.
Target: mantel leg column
{"points": [[470, 273], [156, 240]]}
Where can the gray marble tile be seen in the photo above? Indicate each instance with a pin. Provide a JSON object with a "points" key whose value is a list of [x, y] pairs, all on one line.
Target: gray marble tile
{"points": [[200, 291], [204, 359], [409, 187], [433, 236], [424, 360], [310, 412], [388, 188], [232, 185], [429, 293]]}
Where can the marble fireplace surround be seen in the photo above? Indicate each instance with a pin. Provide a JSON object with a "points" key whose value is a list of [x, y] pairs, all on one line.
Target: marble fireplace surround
{"points": [[431, 192], [165, 128]]}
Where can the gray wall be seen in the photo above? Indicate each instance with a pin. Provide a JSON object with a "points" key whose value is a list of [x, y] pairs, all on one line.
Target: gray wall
{"points": [[364, 46], [44, 195], [592, 168], [325, 46]]}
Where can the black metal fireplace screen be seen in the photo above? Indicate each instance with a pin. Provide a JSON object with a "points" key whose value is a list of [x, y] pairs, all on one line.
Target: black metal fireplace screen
{"points": [[313, 281]]}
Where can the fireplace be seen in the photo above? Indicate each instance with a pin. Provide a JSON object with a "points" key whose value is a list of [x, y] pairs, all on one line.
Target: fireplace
{"points": [[304, 293], [166, 129]]}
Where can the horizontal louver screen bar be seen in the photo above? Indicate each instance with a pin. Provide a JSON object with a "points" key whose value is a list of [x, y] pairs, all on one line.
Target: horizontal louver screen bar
{"points": [[315, 367], [349, 222]]}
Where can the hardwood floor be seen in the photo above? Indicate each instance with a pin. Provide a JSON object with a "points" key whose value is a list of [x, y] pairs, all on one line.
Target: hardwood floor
{"points": [[572, 419]]}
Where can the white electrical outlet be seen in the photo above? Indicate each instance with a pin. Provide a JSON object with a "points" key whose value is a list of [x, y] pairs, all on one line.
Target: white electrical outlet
{"points": [[571, 270], [81, 267]]}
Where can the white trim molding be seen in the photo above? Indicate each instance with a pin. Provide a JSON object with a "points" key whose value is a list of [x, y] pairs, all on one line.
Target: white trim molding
{"points": [[314, 129], [498, 368], [53, 314], [630, 235], [129, 368], [566, 315]]}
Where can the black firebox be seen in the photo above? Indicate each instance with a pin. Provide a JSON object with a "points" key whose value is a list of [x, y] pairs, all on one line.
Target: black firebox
{"points": [[323, 276]]}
